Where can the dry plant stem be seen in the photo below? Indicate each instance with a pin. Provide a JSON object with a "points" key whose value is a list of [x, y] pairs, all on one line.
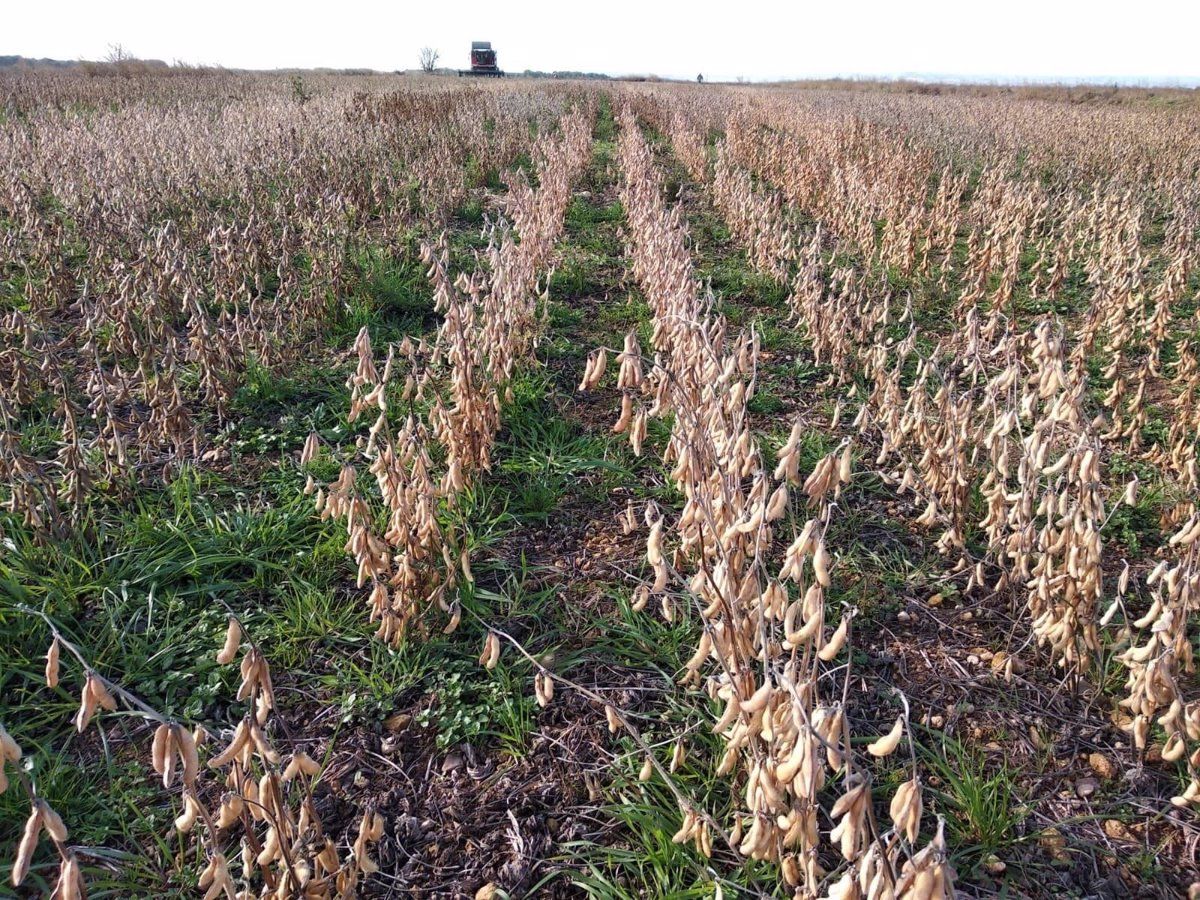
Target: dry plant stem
{"points": [[134, 702], [31, 794], [142, 708]]}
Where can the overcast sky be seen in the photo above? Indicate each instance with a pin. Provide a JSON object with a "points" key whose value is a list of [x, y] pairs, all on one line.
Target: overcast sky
{"points": [[1154, 41]]}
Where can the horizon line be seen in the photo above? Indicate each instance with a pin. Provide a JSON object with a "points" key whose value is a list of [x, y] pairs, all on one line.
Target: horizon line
{"points": [[1184, 82]]}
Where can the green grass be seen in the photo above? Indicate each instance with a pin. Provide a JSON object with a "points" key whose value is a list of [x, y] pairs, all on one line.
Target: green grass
{"points": [[143, 596], [543, 454], [391, 298], [979, 799]]}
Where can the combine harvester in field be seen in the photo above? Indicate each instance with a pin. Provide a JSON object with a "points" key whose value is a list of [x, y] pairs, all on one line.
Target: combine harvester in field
{"points": [[483, 61]]}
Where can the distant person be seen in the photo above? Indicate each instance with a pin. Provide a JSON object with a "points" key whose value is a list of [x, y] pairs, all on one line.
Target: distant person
{"points": [[700, 79]]}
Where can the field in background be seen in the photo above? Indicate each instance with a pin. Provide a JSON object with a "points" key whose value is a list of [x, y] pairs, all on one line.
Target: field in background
{"points": [[413, 487]]}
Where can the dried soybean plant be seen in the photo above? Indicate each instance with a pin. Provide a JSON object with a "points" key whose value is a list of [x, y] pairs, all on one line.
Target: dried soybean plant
{"points": [[767, 648], [1160, 661], [247, 793], [42, 816], [488, 329]]}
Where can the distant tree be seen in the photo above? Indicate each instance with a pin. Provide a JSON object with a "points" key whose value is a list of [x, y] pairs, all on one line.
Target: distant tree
{"points": [[117, 53], [429, 59], [121, 60]]}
